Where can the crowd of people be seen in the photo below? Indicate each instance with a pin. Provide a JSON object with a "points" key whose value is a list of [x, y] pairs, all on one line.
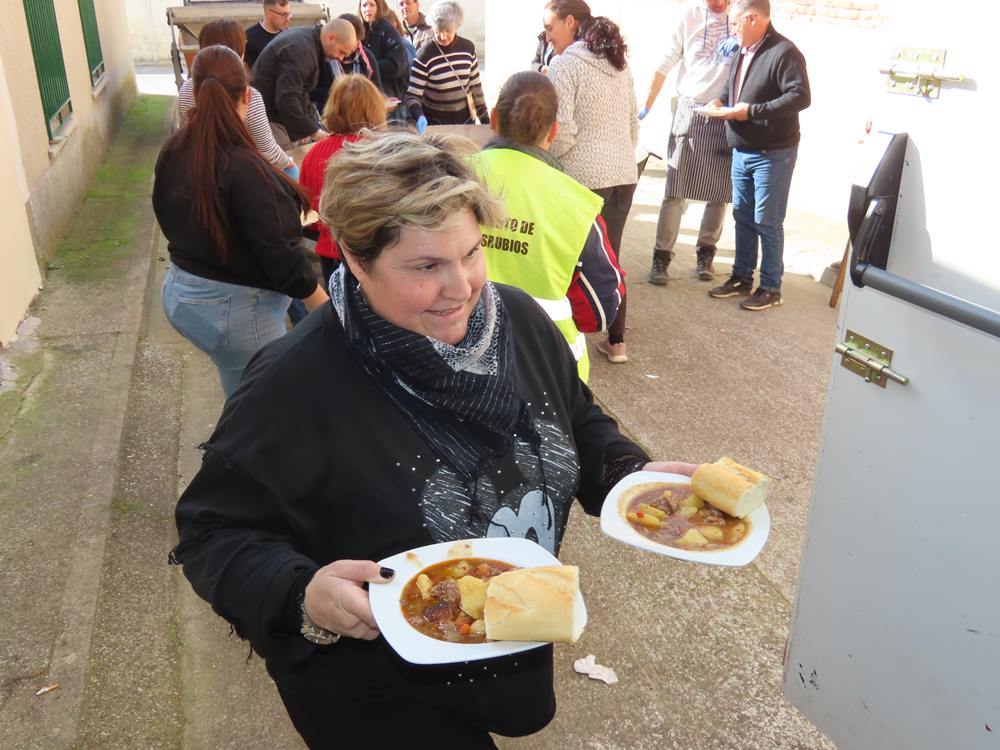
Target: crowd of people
{"points": [[437, 391]]}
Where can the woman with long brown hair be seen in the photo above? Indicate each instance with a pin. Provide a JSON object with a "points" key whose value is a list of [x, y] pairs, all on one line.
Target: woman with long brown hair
{"points": [[227, 32], [232, 223], [598, 124], [355, 104]]}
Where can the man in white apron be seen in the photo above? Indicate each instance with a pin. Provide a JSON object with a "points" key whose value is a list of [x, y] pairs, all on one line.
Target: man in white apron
{"points": [[699, 160]]}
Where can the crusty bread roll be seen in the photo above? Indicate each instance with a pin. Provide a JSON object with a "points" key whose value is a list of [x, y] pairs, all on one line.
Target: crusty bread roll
{"points": [[534, 604], [731, 488]]}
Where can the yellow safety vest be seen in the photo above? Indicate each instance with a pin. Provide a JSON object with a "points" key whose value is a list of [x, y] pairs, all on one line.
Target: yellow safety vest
{"points": [[549, 215]]}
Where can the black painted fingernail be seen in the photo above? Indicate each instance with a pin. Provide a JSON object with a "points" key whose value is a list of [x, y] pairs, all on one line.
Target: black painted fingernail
{"points": [[386, 573]]}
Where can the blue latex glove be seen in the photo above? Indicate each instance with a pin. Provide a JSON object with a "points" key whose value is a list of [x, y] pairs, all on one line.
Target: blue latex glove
{"points": [[421, 124], [728, 47], [643, 112], [292, 171]]}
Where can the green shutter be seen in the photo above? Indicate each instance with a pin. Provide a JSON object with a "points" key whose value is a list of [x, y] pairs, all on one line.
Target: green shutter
{"points": [[92, 39], [50, 69]]}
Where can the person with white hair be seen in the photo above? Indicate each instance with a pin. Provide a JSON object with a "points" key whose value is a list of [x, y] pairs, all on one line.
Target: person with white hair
{"points": [[444, 80]]}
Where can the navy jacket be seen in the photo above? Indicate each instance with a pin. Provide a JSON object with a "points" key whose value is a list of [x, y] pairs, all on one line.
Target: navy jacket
{"points": [[777, 88]]}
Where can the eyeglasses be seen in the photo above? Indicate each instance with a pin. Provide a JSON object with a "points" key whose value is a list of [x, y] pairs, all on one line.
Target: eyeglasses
{"points": [[287, 14], [739, 22]]}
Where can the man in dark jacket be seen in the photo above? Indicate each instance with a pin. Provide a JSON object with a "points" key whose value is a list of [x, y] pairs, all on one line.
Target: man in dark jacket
{"points": [[360, 62], [289, 69], [767, 89]]}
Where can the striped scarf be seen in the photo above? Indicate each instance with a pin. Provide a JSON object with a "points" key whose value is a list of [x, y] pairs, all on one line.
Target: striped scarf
{"points": [[464, 400]]}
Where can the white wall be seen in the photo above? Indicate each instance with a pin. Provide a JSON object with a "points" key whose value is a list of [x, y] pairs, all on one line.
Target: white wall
{"points": [[149, 34], [45, 183]]}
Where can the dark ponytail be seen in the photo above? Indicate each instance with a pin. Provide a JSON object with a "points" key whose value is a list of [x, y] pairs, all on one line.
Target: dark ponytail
{"points": [[599, 34], [526, 108], [214, 131]]}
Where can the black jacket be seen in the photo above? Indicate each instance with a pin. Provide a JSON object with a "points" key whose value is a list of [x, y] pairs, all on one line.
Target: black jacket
{"points": [[357, 64], [285, 73], [393, 64], [264, 241], [359, 482], [777, 88]]}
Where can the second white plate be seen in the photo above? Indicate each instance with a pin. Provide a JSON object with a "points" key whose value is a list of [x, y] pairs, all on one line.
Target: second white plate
{"points": [[613, 524]]}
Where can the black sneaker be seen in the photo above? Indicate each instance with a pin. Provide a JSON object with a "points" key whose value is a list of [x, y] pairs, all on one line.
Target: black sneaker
{"points": [[733, 287], [762, 299], [706, 270], [658, 273]]}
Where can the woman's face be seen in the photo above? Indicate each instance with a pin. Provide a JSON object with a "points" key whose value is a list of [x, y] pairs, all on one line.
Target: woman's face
{"points": [[429, 281], [444, 38], [559, 32], [369, 10]]}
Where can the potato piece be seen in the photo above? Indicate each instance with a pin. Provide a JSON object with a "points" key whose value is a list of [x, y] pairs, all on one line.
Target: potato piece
{"points": [[736, 531], [687, 511], [666, 494], [693, 501], [692, 538], [425, 586], [461, 568], [478, 627], [712, 533], [645, 508], [473, 591], [645, 519]]}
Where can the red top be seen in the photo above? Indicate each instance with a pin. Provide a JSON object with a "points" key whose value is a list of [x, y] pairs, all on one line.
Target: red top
{"points": [[311, 178]]}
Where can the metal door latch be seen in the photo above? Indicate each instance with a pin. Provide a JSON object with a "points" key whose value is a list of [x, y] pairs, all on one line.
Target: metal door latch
{"points": [[869, 360], [918, 72]]}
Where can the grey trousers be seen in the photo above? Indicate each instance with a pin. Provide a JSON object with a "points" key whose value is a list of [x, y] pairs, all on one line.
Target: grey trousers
{"points": [[669, 224]]}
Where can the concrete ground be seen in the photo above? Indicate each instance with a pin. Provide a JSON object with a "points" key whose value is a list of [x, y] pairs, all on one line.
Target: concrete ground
{"points": [[102, 406]]}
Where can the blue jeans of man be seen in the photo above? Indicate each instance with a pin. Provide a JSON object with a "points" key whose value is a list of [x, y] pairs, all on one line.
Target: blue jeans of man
{"points": [[761, 182], [228, 322]]}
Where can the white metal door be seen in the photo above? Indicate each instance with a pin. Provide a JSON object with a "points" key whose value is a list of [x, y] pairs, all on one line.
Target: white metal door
{"points": [[895, 639]]}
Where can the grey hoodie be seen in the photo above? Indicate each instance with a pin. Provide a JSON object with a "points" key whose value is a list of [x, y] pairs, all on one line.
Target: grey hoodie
{"points": [[598, 127]]}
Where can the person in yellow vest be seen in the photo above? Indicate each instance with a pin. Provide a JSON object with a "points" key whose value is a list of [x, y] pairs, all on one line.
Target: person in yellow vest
{"points": [[554, 244]]}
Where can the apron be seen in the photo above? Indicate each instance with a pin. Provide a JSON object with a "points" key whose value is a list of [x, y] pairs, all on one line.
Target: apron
{"points": [[699, 160]]}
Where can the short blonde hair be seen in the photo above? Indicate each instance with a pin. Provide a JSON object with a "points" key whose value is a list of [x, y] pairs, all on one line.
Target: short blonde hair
{"points": [[355, 103], [390, 180]]}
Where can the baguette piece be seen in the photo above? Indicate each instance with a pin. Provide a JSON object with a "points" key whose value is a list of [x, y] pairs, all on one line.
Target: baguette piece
{"points": [[730, 487], [534, 604]]}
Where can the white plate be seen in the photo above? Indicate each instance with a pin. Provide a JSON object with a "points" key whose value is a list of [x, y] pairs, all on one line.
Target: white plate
{"points": [[613, 524], [418, 648]]}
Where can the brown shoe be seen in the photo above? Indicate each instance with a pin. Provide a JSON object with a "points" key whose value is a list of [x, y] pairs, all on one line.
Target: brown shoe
{"points": [[762, 299], [658, 274], [733, 287], [706, 270]]}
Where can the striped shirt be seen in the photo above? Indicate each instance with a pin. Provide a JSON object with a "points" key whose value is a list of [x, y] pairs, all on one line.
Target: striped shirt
{"points": [[256, 120], [439, 80]]}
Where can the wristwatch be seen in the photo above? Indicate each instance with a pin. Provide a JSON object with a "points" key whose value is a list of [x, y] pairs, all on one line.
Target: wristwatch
{"points": [[313, 632]]}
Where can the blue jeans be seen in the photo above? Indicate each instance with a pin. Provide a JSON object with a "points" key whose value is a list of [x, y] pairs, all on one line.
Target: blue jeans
{"points": [[228, 322], [761, 182]]}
